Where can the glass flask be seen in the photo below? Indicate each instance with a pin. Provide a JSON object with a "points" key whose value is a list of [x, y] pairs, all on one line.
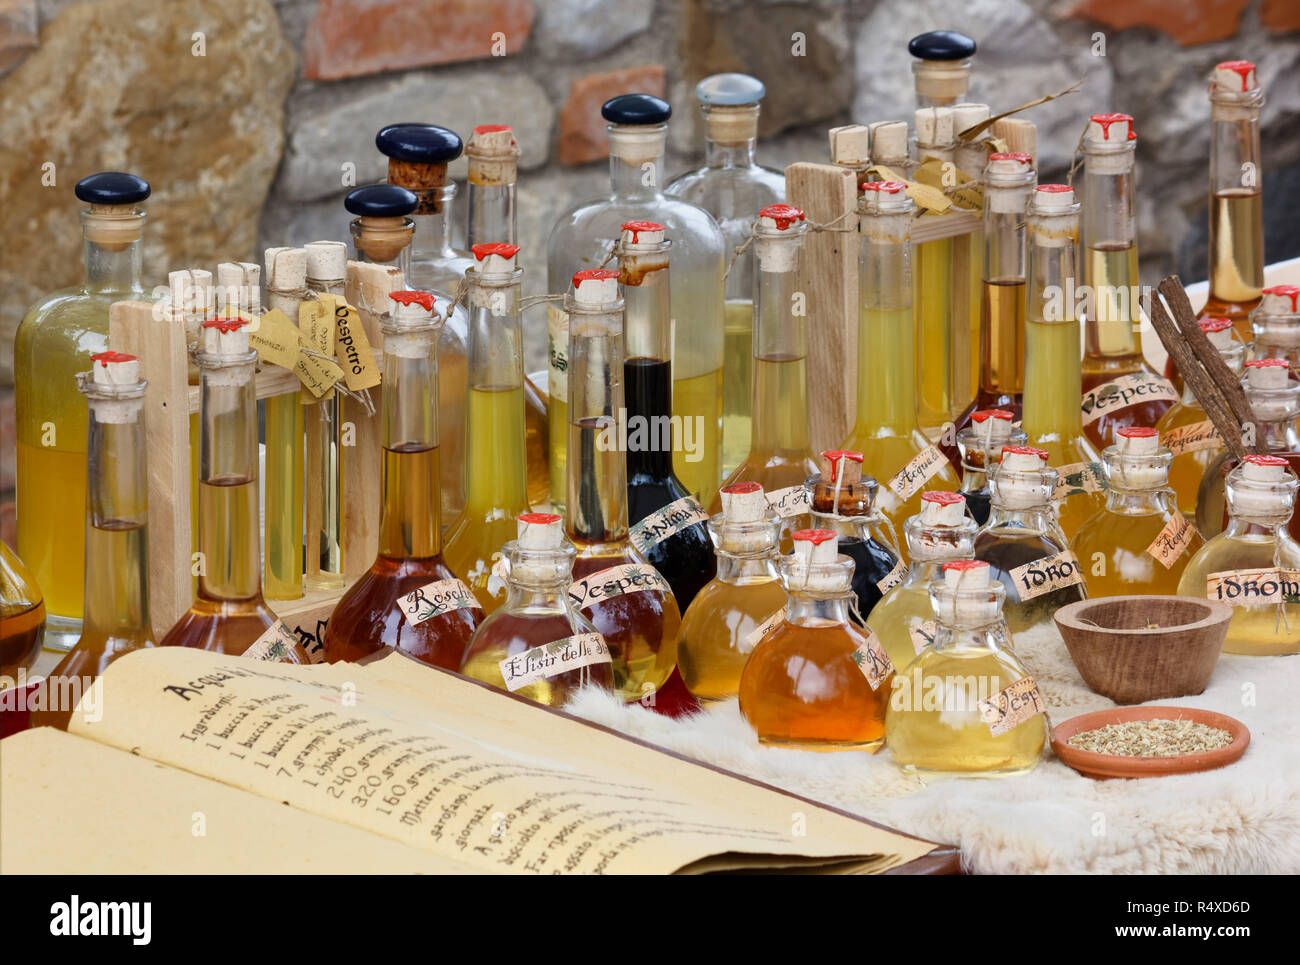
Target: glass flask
{"points": [[22, 616], [980, 445]]}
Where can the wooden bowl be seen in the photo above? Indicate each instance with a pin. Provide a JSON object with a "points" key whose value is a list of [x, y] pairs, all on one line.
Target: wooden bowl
{"points": [[1133, 649], [1092, 764]]}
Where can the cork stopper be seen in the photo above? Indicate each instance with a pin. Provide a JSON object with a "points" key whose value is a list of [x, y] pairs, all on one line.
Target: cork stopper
{"points": [[493, 155], [410, 325], [113, 387], [744, 502], [595, 287], [1235, 76], [1005, 174], [115, 368], [540, 554], [781, 217], [286, 269], [1280, 300], [885, 212], [540, 531], [1022, 479], [747, 525], [889, 142], [841, 467], [1218, 331], [1019, 134], [996, 423], [1137, 440], [193, 298], [1137, 461], [239, 288], [778, 237], [1052, 199], [1023, 458], [225, 338], [495, 257], [327, 260], [646, 233], [967, 595], [967, 574], [1235, 94], [1109, 130], [1264, 468], [814, 565], [966, 116], [935, 128], [1009, 164], [851, 145], [1267, 373], [1262, 487], [942, 508]]}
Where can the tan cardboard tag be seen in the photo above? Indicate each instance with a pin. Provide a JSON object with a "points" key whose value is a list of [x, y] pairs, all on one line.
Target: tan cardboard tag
{"points": [[629, 578], [1172, 541], [276, 644], [928, 182], [872, 660], [791, 501], [1045, 575], [276, 339], [436, 598], [909, 480], [1125, 391], [1258, 587], [1012, 706], [352, 348], [922, 634], [552, 659], [892, 578], [763, 629], [1192, 438], [662, 523], [1080, 477]]}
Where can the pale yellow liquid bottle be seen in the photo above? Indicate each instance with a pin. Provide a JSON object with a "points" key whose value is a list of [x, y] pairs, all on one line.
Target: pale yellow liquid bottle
{"points": [[932, 277]]}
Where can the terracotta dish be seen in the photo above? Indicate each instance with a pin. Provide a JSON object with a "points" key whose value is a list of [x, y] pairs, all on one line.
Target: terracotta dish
{"points": [[1091, 764]]}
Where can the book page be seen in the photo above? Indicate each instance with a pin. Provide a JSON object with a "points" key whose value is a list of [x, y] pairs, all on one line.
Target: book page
{"points": [[446, 765]]}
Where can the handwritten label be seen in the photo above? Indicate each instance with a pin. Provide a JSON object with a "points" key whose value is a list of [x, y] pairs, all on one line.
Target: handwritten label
{"points": [[791, 501], [1012, 706], [1192, 438], [922, 634], [892, 578], [435, 599], [753, 638], [276, 339], [615, 581], [1172, 541], [316, 327], [1045, 575], [277, 644], [666, 522], [352, 347], [1123, 392], [907, 482], [1259, 587], [557, 350], [1080, 477], [552, 659], [872, 660]]}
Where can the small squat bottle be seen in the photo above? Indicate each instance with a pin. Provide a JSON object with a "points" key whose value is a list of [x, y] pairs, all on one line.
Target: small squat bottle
{"points": [[22, 616], [1252, 565], [980, 444], [1139, 543], [817, 681], [537, 645], [967, 707], [720, 626]]}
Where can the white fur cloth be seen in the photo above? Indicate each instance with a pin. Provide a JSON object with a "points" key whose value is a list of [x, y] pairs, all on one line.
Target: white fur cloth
{"points": [[1241, 818]]}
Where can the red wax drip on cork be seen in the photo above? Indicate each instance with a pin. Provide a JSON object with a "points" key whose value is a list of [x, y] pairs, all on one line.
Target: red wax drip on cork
{"points": [[636, 227], [1286, 291], [1266, 460], [942, 497], [423, 299], [503, 248], [1106, 120], [225, 325], [1267, 363], [1020, 156], [783, 214], [884, 187], [492, 128], [741, 488], [1241, 68], [1042, 454], [964, 565], [1137, 432], [543, 519], [593, 274], [984, 414], [1214, 323], [835, 455], [814, 536], [103, 358], [1054, 188]]}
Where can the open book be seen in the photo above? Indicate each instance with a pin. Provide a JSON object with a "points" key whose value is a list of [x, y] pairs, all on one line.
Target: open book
{"points": [[189, 758]]}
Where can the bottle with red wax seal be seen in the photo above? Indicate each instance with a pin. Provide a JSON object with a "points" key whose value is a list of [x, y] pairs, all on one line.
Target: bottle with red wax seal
{"points": [[817, 680], [409, 599], [980, 445], [667, 521], [1275, 324]]}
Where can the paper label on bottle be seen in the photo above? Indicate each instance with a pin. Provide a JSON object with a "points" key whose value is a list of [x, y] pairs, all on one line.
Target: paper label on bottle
{"points": [[352, 347], [1012, 706], [436, 598], [909, 480], [922, 634], [1079, 477], [1045, 575], [316, 327], [754, 636], [662, 523], [557, 349], [1172, 541], [892, 578], [1258, 587], [615, 581], [1192, 438], [873, 661], [316, 323], [276, 339], [552, 659], [275, 645], [1123, 392], [791, 501]]}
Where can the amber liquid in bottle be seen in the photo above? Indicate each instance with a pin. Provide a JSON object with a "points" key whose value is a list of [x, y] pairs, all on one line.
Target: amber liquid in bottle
{"points": [[22, 616]]}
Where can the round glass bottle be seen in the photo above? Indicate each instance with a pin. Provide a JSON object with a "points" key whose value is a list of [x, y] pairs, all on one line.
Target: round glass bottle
{"points": [[980, 445]]}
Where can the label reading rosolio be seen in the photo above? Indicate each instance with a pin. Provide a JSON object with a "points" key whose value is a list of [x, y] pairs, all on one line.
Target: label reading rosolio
{"points": [[436, 598]]}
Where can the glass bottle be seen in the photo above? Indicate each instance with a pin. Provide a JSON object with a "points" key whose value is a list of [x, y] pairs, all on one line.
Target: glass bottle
{"points": [[668, 523], [941, 531], [932, 282], [493, 155], [980, 445], [537, 645], [842, 500], [53, 343], [1240, 566], [1274, 399], [497, 483], [886, 432], [720, 626], [1023, 544], [941, 70], [1139, 543], [970, 156], [22, 617], [1275, 324], [817, 681], [967, 707], [1188, 432], [1121, 388], [732, 186], [780, 455], [1052, 419], [627, 599], [584, 237], [228, 614], [409, 600]]}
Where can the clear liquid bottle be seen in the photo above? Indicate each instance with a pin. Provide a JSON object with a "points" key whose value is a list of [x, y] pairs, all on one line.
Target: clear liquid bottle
{"points": [[536, 644], [932, 278], [731, 186], [967, 707], [817, 681], [1023, 544], [53, 343], [1122, 389], [720, 626], [409, 600], [980, 445], [668, 523], [1140, 543], [22, 616], [624, 596], [1052, 419], [497, 489], [1265, 619], [583, 238], [1187, 431], [1275, 324], [892, 445], [941, 531], [941, 70]]}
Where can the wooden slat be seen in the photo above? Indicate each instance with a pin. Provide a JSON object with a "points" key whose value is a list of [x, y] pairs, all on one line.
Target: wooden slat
{"points": [[955, 222]]}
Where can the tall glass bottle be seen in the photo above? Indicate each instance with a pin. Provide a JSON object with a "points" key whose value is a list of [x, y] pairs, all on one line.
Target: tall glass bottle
{"points": [[886, 432], [53, 343], [1122, 389], [732, 186], [497, 482], [408, 600], [1052, 419], [932, 281], [941, 531], [625, 597], [537, 644], [1023, 544], [780, 454], [668, 523], [941, 70], [583, 237], [817, 681], [228, 614], [980, 445], [970, 156], [719, 627], [1275, 324], [22, 616], [1251, 565], [967, 706]]}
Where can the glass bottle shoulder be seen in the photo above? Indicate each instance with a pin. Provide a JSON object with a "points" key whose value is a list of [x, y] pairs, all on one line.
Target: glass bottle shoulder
{"points": [[730, 193]]}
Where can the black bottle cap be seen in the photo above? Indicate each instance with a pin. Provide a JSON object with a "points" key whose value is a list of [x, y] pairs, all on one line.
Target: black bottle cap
{"points": [[112, 187], [636, 109], [419, 143], [380, 201], [941, 45]]}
